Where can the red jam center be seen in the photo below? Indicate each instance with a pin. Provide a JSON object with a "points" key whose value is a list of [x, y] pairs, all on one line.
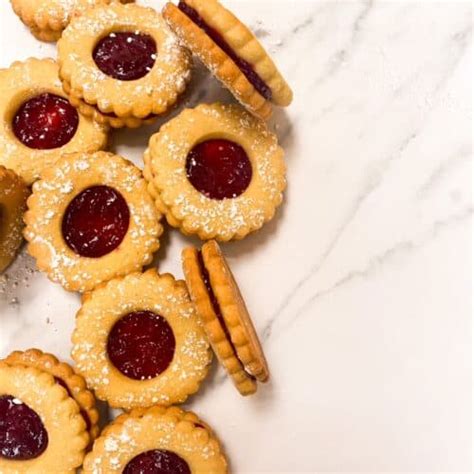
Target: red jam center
{"points": [[45, 122], [157, 461], [219, 169], [22, 433], [96, 221], [246, 68], [141, 345], [82, 412], [125, 56]]}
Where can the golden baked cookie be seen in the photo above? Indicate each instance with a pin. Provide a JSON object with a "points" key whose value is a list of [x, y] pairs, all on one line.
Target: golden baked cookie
{"points": [[38, 122], [13, 194], [91, 219], [47, 18], [227, 322], [218, 170], [138, 341], [122, 65], [231, 52], [65, 376], [165, 440], [41, 430]]}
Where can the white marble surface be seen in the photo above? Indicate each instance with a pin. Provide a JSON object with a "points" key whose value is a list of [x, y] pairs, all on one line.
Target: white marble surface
{"points": [[361, 287]]}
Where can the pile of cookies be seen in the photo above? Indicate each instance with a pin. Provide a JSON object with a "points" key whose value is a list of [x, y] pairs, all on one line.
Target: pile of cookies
{"points": [[142, 340]]}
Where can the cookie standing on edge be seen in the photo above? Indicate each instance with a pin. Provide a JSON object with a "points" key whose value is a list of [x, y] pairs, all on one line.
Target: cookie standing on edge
{"points": [[47, 18], [231, 52], [13, 195], [227, 322]]}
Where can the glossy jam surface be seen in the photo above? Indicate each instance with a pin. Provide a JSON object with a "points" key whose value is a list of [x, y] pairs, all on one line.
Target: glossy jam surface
{"points": [[219, 169], [82, 412], [45, 122], [22, 433], [157, 461], [246, 68], [96, 221], [125, 55], [141, 345]]}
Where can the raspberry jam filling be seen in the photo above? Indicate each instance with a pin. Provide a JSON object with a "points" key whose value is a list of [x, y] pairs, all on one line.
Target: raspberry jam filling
{"points": [[22, 433], [45, 122], [219, 169], [217, 309], [157, 461], [82, 412], [245, 67], [141, 345], [125, 55], [96, 221]]}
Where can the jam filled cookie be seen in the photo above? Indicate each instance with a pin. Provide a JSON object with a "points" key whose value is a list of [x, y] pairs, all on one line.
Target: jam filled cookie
{"points": [[38, 122], [65, 376], [172, 356], [217, 170], [159, 440], [227, 322], [41, 429], [90, 219], [47, 18], [122, 65], [13, 194], [231, 52]]}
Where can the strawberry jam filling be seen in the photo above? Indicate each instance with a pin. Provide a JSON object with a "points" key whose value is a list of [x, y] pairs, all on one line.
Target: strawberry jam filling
{"points": [[157, 461], [217, 309], [96, 221], [22, 433], [141, 345], [219, 169], [45, 122], [82, 412], [125, 55], [245, 67]]}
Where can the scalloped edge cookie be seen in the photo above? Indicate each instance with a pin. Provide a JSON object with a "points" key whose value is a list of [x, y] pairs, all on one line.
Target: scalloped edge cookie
{"points": [[242, 42], [47, 18], [129, 101], [184, 206], [148, 291], [23, 81], [74, 382], [13, 195], [170, 429], [226, 320], [67, 435], [51, 195]]}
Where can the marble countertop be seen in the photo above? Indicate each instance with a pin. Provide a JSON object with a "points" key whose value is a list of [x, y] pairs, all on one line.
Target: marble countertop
{"points": [[361, 286]]}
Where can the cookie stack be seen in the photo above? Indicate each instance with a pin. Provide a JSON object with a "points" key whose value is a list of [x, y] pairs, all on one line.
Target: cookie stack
{"points": [[142, 340]]}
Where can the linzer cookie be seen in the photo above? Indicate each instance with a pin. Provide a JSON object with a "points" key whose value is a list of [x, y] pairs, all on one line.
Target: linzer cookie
{"points": [[13, 194], [226, 320], [138, 341], [216, 171], [47, 18], [231, 52], [161, 440], [90, 219], [38, 122], [65, 376], [41, 427], [122, 65]]}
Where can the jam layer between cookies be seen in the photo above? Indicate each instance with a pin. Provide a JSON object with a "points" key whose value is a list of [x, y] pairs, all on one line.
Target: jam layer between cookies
{"points": [[245, 67]]}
